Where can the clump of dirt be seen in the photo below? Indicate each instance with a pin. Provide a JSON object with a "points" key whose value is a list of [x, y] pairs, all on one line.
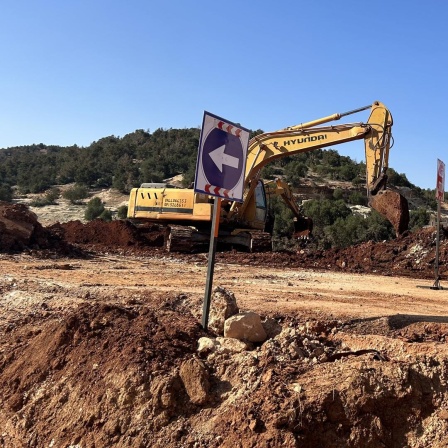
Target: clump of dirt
{"points": [[102, 375], [394, 207]]}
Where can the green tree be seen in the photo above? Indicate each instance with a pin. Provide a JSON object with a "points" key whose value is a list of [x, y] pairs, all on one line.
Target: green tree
{"points": [[94, 209], [357, 198], [399, 180], [76, 193], [418, 218], [325, 212], [106, 215], [338, 194], [355, 229], [348, 172], [378, 227], [53, 194], [5, 193], [295, 172], [346, 232], [48, 199], [122, 212], [283, 217]]}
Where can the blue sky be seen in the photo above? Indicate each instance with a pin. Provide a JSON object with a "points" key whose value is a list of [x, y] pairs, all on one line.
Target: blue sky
{"points": [[73, 72]]}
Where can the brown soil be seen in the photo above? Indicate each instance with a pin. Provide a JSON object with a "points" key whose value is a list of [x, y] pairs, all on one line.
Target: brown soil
{"points": [[99, 332]]}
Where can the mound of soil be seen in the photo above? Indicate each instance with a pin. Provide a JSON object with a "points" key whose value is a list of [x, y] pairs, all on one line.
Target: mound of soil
{"points": [[411, 255], [101, 375], [20, 230], [110, 235], [108, 375]]}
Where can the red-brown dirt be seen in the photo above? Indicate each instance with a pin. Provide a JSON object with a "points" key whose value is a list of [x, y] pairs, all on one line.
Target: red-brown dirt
{"points": [[99, 336], [410, 255]]}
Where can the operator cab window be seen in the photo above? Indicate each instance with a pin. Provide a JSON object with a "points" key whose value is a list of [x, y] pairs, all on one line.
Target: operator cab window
{"points": [[260, 196]]}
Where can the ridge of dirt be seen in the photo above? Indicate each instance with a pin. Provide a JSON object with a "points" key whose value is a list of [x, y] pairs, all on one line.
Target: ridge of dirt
{"points": [[109, 375], [410, 255]]}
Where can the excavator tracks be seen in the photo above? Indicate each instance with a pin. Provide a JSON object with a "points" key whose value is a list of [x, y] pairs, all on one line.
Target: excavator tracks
{"points": [[187, 239], [260, 241]]}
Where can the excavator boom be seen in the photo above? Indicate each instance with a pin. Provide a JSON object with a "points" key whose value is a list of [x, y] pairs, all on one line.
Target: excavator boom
{"points": [[306, 137]]}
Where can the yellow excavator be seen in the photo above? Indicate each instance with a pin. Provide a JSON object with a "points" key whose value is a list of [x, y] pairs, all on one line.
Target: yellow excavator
{"points": [[187, 215]]}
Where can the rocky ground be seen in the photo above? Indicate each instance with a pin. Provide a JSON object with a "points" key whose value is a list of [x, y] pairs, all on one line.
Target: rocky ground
{"points": [[101, 343]]}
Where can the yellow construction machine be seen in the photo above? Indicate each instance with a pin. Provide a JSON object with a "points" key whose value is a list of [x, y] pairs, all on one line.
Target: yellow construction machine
{"points": [[187, 215]]}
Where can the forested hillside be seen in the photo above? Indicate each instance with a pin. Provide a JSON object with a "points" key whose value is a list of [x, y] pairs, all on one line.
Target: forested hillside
{"points": [[109, 162], [126, 162], [141, 156]]}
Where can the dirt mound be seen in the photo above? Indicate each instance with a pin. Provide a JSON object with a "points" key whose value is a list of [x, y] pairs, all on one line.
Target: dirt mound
{"points": [[413, 254], [112, 235], [20, 230], [410, 255], [109, 375], [101, 375]]}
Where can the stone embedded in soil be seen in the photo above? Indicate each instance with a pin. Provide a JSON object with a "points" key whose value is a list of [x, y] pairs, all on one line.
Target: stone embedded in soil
{"points": [[195, 378], [245, 327], [222, 306], [20, 229], [271, 327], [206, 345]]}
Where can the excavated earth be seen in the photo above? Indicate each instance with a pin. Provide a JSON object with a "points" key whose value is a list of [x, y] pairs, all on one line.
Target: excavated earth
{"points": [[100, 331]]}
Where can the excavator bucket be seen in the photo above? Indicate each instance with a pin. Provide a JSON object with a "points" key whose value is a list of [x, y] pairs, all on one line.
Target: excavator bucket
{"points": [[394, 207], [303, 227]]}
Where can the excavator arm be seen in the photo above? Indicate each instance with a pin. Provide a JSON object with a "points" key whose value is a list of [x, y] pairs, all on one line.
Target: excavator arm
{"points": [[303, 226], [377, 136]]}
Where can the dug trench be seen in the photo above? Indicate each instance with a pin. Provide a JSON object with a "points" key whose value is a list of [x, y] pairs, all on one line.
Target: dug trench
{"points": [[101, 344]]}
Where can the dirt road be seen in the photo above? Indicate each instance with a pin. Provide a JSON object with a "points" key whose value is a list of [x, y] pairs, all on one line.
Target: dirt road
{"points": [[263, 289]]}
